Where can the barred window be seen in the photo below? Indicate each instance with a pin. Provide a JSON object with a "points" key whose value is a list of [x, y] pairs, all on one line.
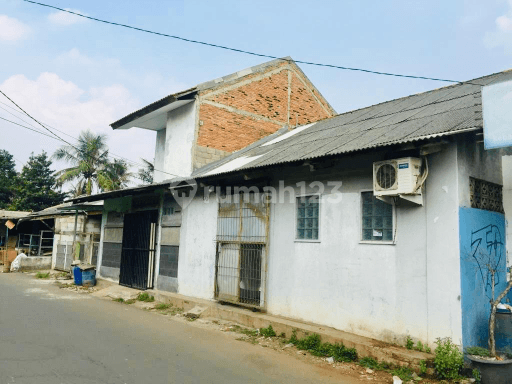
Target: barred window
{"points": [[377, 219], [486, 195], [307, 217]]}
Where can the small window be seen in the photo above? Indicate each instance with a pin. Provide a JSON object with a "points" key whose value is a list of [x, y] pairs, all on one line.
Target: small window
{"points": [[377, 219], [168, 211], [307, 217]]}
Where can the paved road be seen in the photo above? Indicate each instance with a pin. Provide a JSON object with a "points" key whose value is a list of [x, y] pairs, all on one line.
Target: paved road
{"points": [[50, 336]]}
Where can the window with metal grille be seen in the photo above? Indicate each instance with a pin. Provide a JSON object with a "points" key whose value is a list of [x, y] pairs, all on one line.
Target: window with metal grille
{"points": [[377, 219], [486, 195], [308, 210]]}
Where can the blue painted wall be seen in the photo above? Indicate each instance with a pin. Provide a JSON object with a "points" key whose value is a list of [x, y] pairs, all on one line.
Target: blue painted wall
{"points": [[482, 243]]}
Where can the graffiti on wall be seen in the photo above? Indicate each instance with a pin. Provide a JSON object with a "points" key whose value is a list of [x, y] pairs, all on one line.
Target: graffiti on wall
{"points": [[487, 250], [482, 250]]}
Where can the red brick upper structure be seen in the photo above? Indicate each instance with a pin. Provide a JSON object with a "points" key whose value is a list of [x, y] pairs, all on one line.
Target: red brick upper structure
{"points": [[234, 111]]}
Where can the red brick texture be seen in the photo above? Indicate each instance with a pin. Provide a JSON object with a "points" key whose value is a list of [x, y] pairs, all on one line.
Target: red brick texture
{"points": [[256, 108], [267, 97], [228, 131], [304, 107]]}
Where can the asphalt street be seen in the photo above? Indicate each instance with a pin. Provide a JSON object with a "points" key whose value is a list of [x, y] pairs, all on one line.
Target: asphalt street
{"points": [[53, 336]]}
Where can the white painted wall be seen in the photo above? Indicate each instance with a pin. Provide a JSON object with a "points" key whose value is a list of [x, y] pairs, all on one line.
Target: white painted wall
{"points": [[443, 247], [383, 291], [376, 290], [196, 265], [173, 149]]}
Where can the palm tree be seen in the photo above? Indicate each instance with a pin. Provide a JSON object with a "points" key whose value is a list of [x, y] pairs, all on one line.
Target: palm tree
{"points": [[146, 173], [114, 176], [90, 165]]}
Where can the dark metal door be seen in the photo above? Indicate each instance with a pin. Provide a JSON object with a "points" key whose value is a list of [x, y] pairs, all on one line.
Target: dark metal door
{"points": [[137, 256]]}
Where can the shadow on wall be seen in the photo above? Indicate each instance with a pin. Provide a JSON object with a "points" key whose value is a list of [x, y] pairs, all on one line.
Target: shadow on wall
{"points": [[482, 245]]}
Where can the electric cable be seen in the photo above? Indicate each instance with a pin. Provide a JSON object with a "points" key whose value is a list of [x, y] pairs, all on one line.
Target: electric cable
{"points": [[241, 50], [111, 154], [57, 137], [25, 112]]}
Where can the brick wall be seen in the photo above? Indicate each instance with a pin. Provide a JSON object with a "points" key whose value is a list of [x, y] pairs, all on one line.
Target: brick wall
{"points": [[206, 155], [234, 115], [304, 107], [267, 97], [230, 131]]}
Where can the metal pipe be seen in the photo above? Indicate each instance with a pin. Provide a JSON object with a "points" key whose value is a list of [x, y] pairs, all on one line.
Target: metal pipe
{"points": [[74, 234]]}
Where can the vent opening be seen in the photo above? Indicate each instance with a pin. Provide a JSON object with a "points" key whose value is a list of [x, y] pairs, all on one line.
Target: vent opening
{"points": [[386, 176]]}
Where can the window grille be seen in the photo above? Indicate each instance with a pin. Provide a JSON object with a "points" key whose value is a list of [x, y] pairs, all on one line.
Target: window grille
{"points": [[377, 219], [486, 195], [242, 233], [307, 217]]}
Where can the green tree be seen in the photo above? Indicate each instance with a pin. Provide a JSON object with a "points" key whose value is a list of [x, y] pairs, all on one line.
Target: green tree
{"points": [[146, 173], [34, 186], [90, 166], [114, 176], [7, 178]]}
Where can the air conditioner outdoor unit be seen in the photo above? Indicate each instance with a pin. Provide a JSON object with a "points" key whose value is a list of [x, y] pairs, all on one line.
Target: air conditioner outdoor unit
{"points": [[397, 177]]}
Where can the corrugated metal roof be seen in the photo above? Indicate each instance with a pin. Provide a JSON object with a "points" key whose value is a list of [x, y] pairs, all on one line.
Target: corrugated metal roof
{"points": [[444, 111], [440, 112], [6, 215]]}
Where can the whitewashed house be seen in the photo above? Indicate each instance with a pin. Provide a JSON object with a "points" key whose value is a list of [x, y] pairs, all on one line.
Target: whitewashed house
{"points": [[372, 222]]}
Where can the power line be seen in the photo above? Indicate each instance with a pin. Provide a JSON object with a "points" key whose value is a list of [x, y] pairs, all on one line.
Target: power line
{"points": [[24, 126], [56, 137], [25, 112], [111, 154], [48, 125], [240, 50]]}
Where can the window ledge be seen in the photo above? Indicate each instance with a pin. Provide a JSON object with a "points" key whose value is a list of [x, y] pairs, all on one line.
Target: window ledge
{"points": [[377, 242], [306, 241]]}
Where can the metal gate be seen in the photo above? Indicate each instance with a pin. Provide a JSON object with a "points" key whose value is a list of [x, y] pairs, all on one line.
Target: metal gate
{"points": [[242, 235], [138, 251]]}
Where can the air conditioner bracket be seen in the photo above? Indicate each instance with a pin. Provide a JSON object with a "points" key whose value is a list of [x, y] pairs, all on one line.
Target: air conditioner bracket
{"points": [[415, 199]]}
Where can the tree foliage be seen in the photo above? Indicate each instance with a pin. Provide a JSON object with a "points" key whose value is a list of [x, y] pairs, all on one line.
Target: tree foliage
{"points": [[114, 176], [7, 178], [34, 186], [146, 173], [90, 166]]}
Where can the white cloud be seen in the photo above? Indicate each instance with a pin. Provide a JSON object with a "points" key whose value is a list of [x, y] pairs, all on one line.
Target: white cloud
{"points": [[501, 36], [504, 23], [152, 85], [64, 105], [12, 29], [65, 18]]}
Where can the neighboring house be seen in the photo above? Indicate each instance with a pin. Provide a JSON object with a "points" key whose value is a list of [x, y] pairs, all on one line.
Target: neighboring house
{"points": [[9, 234], [322, 247], [214, 119], [61, 233]]}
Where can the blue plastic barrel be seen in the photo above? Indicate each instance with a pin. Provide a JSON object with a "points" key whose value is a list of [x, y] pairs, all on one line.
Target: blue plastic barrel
{"points": [[77, 275], [89, 278]]}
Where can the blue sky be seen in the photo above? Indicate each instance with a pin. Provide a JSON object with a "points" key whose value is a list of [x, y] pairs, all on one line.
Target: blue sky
{"points": [[74, 74]]}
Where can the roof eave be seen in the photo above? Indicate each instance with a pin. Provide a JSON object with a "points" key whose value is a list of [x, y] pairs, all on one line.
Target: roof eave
{"points": [[153, 107]]}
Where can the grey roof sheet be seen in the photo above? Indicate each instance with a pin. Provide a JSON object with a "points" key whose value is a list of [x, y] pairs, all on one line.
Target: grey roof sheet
{"points": [[6, 215], [444, 111]]}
